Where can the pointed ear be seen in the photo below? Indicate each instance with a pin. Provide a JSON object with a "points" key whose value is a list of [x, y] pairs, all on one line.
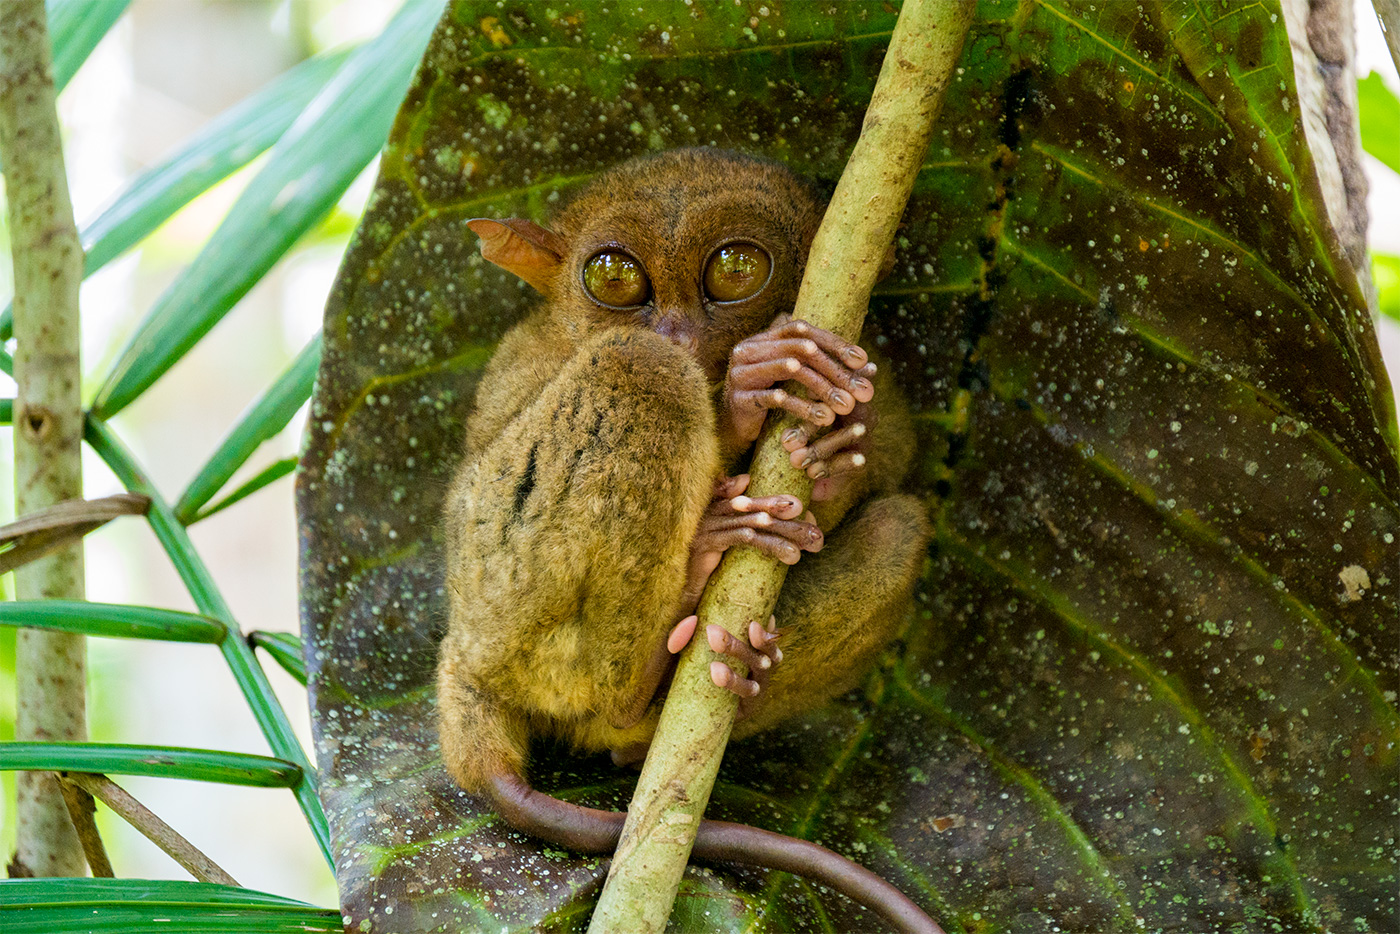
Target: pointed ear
{"points": [[522, 248]]}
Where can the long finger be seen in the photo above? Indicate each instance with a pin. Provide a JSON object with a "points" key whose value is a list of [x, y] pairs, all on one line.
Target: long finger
{"points": [[759, 400], [780, 507], [844, 463], [758, 375], [850, 354], [827, 446], [771, 545], [805, 535], [777, 357]]}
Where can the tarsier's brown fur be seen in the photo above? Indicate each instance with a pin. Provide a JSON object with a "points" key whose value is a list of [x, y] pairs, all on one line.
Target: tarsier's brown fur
{"points": [[592, 455]]}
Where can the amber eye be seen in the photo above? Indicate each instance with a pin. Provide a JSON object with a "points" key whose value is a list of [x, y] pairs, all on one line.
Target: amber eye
{"points": [[616, 279], [736, 271]]}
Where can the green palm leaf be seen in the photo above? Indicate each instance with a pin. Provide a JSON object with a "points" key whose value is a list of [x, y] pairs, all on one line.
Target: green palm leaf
{"points": [[202, 765], [119, 906], [75, 28], [268, 416], [303, 178]]}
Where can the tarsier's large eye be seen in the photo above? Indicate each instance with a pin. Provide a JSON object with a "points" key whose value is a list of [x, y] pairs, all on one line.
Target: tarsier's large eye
{"points": [[737, 271], [616, 279]]}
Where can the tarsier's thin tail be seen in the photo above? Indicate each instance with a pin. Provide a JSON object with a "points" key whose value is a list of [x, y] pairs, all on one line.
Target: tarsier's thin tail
{"points": [[590, 830]]}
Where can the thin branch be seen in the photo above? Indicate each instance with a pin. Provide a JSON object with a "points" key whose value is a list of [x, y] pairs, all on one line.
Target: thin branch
{"points": [[40, 533], [48, 420], [842, 267], [153, 828], [81, 809]]}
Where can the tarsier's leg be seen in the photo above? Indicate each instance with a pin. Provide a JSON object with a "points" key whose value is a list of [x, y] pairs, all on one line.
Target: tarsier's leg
{"points": [[568, 538], [479, 739], [839, 608]]}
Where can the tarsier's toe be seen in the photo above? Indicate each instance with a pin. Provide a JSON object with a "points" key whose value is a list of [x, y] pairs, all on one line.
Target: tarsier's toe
{"points": [[724, 677], [760, 656], [766, 641]]}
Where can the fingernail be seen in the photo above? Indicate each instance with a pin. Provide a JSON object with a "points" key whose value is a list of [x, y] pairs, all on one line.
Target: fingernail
{"points": [[840, 398], [819, 473], [821, 413], [806, 461], [790, 435], [861, 384]]}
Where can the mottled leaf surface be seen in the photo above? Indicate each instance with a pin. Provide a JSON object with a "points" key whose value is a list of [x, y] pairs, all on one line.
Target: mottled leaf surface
{"points": [[1149, 680]]}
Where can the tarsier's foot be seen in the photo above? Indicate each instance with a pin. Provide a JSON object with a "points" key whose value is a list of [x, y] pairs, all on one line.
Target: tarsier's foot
{"points": [[760, 655], [767, 523]]}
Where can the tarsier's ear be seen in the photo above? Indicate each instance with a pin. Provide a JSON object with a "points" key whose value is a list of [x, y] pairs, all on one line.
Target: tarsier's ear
{"points": [[522, 248]]}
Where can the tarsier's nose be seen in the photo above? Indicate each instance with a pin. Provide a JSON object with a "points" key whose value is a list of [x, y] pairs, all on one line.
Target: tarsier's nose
{"points": [[679, 330]]}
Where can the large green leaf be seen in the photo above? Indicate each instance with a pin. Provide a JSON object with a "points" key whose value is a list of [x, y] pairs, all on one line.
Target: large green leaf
{"points": [[1150, 678]]}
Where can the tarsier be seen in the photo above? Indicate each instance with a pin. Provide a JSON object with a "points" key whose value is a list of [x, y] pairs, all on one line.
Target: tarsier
{"points": [[602, 480]]}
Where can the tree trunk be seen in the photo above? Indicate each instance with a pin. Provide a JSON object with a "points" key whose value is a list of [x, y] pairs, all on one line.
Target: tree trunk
{"points": [[48, 420]]}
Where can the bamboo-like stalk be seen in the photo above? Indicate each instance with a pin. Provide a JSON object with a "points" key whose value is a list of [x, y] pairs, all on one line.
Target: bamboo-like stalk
{"points": [[1388, 12], [844, 263], [48, 419]]}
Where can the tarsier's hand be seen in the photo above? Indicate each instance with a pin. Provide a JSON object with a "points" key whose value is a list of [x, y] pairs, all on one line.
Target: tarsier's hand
{"points": [[764, 522], [835, 372]]}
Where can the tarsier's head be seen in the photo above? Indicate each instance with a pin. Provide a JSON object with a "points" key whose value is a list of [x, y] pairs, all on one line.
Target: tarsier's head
{"points": [[702, 246]]}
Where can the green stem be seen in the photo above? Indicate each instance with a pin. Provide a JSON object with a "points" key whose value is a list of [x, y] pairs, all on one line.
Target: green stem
{"points": [[48, 268], [252, 680], [842, 267]]}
